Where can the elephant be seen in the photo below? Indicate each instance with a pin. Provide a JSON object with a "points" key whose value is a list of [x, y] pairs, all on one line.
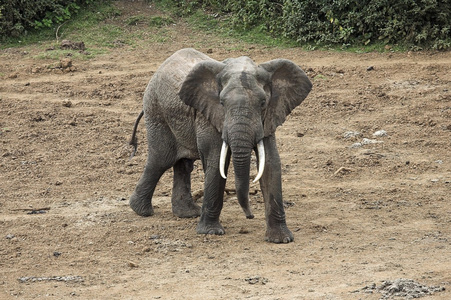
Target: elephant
{"points": [[195, 108]]}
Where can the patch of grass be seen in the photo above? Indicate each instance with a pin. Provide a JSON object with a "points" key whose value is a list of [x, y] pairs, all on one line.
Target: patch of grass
{"points": [[320, 76], [159, 21], [222, 26], [58, 54], [135, 20]]}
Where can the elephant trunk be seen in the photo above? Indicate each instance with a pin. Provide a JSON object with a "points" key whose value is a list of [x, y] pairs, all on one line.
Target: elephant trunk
{"points": [[241, 158]]}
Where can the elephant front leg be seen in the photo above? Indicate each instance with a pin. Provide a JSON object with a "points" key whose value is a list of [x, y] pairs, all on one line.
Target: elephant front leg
{"points": [[271, 185], [183, 205], [212, 204]]}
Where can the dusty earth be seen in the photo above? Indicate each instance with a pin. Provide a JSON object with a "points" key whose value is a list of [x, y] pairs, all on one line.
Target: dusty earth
{"points": [[364, 209]]}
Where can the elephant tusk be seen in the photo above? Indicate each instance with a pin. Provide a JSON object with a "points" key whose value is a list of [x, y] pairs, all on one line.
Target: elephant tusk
{"points": [[222, 159], [261, 160]]}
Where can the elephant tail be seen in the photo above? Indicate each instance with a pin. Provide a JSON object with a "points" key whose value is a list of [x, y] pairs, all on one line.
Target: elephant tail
{"points": [[134, 140]]}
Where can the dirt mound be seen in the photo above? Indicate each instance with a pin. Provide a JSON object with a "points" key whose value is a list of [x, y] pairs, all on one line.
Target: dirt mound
{"points": [[406, 288]]}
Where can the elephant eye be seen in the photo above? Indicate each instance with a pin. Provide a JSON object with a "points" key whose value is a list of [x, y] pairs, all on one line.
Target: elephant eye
{"points": [[263, 102]]}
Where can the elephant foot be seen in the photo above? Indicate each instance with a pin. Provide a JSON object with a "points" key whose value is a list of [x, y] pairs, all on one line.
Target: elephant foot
{"points": [[141, 207], [211, 228], [248, 213], [187, 210], [279, 234]]}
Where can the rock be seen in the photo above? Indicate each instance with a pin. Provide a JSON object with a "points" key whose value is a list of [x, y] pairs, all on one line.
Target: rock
{"points": [[350, 134], [343, 170], [73, 122], [35, 70], [67, 103], [66, 63], [256, 279], [366, 141], [69, 45], [52, 278], [380, 133], [243, 231]]}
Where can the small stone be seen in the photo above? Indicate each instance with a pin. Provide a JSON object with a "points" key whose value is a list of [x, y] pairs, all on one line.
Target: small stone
{"points": [[299, 134], [380, 133], [10, 236], [35, 70], [66, 63], [67, 103], [366, 141], [243, 230], [132, 264], [350, 134]]}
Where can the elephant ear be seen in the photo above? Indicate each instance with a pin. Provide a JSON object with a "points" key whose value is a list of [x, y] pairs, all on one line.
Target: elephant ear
{"points": [[289, 86], [200, 90]]}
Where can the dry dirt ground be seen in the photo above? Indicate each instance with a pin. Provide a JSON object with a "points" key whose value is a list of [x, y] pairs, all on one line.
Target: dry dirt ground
{"points": [[364, 209]]}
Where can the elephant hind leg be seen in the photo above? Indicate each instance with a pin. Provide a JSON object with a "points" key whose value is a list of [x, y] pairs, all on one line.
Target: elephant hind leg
{"points": [[183, 205], [141, 199], [161, 156]]}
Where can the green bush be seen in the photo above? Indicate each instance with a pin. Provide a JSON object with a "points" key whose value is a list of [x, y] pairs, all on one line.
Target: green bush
{"points": [[341, 22], [18, 16], [419, 23]]}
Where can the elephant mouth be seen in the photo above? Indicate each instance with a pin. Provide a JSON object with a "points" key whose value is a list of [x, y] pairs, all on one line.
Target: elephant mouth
{"points": [[261, 160]]}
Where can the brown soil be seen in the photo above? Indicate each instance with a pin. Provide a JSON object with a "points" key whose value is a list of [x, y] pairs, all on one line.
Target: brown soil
{"points": [[360, 214]]}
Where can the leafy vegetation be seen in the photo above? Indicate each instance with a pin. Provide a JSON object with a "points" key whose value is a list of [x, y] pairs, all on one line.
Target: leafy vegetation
{"points": [[18, 17], [344, 24], [80, 25], [418, 24]]}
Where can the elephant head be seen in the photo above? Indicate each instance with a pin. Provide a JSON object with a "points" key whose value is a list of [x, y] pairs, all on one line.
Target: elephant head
{"points": [[245, 102]]}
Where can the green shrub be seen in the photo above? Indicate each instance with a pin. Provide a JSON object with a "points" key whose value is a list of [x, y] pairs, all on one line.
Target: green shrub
{"points": [[420, 23], [409, 22], [18, 16]]}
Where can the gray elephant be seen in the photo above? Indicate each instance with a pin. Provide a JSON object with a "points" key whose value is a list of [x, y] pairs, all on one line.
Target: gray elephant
{"points": [[199, 108]]}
